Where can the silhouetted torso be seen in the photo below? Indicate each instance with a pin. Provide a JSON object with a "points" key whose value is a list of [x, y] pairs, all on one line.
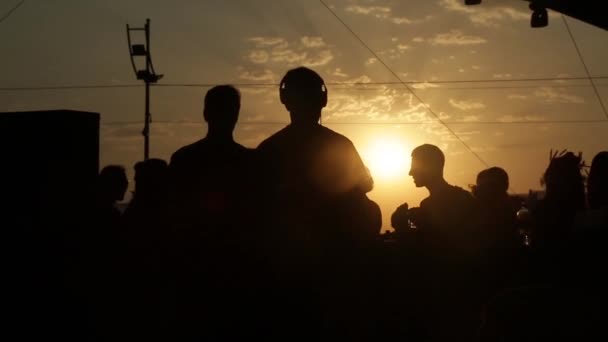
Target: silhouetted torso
{"points": [[209, 180], [309, 173], [448, 217]]}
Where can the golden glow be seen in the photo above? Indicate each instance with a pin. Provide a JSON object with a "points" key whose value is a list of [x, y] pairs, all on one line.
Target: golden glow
{"points": [[388, 158]]}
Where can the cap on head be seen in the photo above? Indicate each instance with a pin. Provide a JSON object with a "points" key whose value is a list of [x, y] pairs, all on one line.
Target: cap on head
{"points": [[302, 88]]}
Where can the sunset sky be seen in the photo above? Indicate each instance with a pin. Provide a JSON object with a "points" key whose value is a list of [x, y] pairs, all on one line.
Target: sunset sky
{"points": [[252, 43]]}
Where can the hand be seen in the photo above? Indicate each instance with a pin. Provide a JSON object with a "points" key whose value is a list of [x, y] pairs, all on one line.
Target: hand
{"points": [[399, 219], [416, 216]]}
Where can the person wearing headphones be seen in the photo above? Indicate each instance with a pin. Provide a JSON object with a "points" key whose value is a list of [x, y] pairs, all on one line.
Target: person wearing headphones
{"points": [[310, 171], [316, 214]]}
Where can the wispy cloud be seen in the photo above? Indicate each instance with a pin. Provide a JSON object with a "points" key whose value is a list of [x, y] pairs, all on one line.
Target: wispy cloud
{"points": [[258, 56], [553, 95], [371, 61], [338, 72], [549, 95], [466, 105], [265, 75], [488, 15], [312, 42], [377, 11], [384, 13], [308, 50], [322, 58], [513, 118], [456, 37], [266, 41]]}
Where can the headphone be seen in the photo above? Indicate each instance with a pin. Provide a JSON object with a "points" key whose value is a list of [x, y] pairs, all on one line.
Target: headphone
{"points": [[284, 91]]}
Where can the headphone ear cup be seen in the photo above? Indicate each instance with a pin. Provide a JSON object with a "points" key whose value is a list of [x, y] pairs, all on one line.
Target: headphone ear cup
{"points": [[324, 96], [282, 92]]}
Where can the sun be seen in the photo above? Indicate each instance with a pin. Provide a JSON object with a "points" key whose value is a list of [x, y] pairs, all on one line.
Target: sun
{"points": [[387, 158]]}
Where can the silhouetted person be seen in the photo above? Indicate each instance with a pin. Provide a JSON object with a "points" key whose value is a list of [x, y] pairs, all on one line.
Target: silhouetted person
{"points": [[141, 266], [151, 189], [100, 249], [596, 218], [597, 183], [308, 168], [496, 208], [210, 212], [208, 177], [448, 245], [564, 197], [447, 215], [112, 184], [501, 241], [314, 185]]}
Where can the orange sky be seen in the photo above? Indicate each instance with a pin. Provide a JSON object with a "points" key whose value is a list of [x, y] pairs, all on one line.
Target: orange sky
{"points": [[508, 123]]}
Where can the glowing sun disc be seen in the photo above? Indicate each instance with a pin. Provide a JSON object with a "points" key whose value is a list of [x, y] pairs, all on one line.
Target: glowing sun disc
{"points": [[387, 159]]}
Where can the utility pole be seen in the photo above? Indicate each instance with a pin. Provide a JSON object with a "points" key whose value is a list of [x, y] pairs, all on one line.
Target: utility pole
{"points": [[148, 75]]}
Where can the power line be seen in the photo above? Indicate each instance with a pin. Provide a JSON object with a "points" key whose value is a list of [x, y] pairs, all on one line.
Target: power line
{"points": [[405, 85], [366, 85], [580, 56], [72, 87], [381, 123], [11, 11]]}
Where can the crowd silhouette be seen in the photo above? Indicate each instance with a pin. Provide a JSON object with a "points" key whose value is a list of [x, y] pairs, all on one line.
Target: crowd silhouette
{"points": [[281, 242]]}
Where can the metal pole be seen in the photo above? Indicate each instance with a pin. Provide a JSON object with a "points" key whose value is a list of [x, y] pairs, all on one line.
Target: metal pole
{"points": [[147, 81], [146, 131]]}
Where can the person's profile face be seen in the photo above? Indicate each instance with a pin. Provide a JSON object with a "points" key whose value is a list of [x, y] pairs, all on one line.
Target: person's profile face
{"points": [[418, 172]]}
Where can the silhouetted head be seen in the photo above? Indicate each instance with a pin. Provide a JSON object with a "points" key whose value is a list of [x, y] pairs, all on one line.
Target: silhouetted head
{"points": [[304, 94], [427, 165], [222, 105], [492, 184], [597, 183], [112, 183], [151, 178], [564, 183]]}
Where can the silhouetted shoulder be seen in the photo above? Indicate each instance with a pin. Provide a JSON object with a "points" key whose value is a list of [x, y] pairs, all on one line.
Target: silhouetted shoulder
{"points": [[205, 147], [326, 159]]}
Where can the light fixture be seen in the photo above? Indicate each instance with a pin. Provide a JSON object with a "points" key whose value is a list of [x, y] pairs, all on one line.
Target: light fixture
{"points": [[540, 16]]}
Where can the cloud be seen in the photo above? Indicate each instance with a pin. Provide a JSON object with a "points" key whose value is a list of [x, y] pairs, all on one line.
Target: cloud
{"points": [[471, 118], [517, 118], [424, 85], [401, 20], [304, 51], [418, 39], [466, 105], [371, 61], [258, 76], [258, 56], [402, 47], [502, 76], [377, 11], [550, 96], [338, 72], [266, 41], [322, 58], [287, 56], [456, 37], [312, 42], [517, 97], [553, 95], [384, 13], [487, 15]]}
